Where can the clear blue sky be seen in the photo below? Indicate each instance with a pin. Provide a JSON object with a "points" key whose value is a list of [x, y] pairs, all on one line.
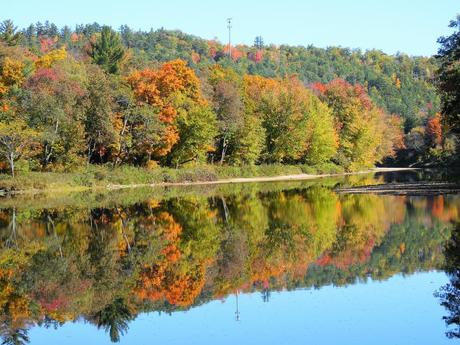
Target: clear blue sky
{"points": [[410, 26]]}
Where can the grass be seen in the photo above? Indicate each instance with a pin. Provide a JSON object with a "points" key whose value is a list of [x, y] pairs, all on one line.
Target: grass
{"points": [[101, 177]]}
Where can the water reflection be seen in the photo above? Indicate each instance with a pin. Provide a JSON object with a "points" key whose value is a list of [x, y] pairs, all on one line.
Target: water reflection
{"points": [[450, 293], [107, 265]]}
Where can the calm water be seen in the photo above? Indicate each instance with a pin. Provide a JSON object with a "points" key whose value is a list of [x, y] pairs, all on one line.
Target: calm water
{"points": [[272, 263]]}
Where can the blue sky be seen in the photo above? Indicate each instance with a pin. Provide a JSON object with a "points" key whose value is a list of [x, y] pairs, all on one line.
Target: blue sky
{"points": [[409, 26]]}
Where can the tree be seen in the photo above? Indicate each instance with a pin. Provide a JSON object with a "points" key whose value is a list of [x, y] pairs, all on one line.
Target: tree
{"points": [[297, 125], [114, 319], [259, 42], [196, 124], [51, 57], [433, 131], [322, 141], [147, 132], [11, 74], [249, 140], [228, 104], [16, 141], [16, 336], [99, 115], [108, 51], [174, 90], [8, 33], [360, 124], [55, 101], [449, 77]]}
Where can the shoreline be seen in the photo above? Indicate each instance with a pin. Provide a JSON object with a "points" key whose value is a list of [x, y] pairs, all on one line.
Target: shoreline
{"points": [[81, 187], [280, 178]]}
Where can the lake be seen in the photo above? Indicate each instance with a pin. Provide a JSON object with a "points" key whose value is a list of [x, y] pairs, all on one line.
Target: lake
{"points": [[272, 263]]}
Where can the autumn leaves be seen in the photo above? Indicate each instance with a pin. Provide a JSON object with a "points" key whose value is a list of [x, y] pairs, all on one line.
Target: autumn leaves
{"points": [[73, 111]]}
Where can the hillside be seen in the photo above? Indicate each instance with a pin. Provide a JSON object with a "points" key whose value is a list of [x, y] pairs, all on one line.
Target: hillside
{"points": [[400, 84]]}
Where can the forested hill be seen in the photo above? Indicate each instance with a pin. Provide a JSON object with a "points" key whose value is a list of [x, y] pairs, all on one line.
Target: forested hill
{"points": [[400, 84], [96, 95]]}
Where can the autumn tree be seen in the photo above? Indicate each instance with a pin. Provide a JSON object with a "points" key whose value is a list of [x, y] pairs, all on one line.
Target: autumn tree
{"points": [[359, 123], [249, 140], [393, 137], [174, 90], [433, 131], [11, 74], [196, 124], [320, 135], [449, 75], [99, 115], [16, 141], [279, 104], [297, 125], [228, 105], [55, 103], [108, 51], [147, 132], [51, 57]]}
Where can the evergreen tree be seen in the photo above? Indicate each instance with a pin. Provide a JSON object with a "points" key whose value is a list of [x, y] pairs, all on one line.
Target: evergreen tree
{"points": [[8, 33], [449, 76], [108, 50]]}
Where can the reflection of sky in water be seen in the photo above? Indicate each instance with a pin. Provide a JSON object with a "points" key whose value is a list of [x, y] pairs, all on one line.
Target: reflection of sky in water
{"points": [[400, 310]]}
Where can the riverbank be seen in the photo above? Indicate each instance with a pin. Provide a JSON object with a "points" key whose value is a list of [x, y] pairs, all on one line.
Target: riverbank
{"points": [[104, 178]]}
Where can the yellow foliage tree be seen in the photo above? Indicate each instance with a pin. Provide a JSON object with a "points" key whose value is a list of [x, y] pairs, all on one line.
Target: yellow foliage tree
{"points": [[47, 60]]}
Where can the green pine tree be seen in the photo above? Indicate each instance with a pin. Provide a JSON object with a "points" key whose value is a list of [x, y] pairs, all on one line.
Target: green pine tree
{"points": [[108, 51]]}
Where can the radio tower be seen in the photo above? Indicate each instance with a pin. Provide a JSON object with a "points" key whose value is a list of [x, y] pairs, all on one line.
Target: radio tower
{"points": [[229, 26]]}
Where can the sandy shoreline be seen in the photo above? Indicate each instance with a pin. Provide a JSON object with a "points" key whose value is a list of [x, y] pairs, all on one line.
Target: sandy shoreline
{"points": [[296, 177]]}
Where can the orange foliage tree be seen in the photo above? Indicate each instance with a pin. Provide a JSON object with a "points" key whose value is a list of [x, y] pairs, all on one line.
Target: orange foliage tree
{"points": [[161, 88], [433, 131]]}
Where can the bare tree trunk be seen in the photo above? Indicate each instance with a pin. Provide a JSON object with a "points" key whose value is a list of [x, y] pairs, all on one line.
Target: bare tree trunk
{"points": [[48, 156], [11, 162], [122, 133], [224, 149]]}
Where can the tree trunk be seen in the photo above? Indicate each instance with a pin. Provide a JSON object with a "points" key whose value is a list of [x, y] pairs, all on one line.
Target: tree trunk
{"points": [[224, 149], [11, 161]]}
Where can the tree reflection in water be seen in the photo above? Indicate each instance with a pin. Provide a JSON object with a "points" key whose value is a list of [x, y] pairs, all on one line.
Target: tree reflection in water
{"points": [[450, 293], [106, 265]]}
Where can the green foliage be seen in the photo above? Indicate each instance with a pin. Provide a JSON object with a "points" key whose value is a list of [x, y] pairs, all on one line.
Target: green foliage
{"points": [[16, 141], [8, 33], [449, 77], [320, 134], [361, 125], [249, 141], [54, 103], [196, 125], [99, 114], [108, 50]]}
